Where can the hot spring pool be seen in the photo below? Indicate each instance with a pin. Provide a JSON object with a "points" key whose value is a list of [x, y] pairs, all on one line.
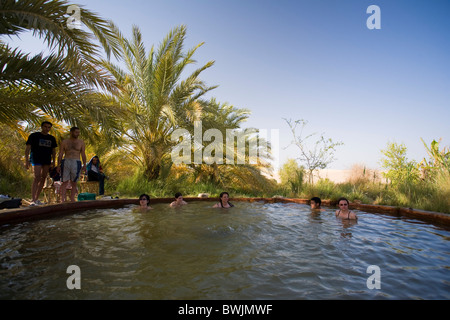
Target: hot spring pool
{"points": [[252, 251]]}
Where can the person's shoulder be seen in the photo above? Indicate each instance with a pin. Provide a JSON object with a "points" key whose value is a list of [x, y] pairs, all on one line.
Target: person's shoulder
{"points": [[30, 138], [34, 135]]}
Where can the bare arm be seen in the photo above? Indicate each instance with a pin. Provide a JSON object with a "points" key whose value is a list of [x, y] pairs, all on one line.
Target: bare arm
{"points": [[27, 156], [83, 154], [53, 157]]}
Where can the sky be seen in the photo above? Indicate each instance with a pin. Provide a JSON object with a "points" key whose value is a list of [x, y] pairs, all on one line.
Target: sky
{"points": [[315, 60]]}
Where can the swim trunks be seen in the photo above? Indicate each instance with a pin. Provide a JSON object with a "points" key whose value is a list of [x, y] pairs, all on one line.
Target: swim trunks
{"points": [[70, 170]]}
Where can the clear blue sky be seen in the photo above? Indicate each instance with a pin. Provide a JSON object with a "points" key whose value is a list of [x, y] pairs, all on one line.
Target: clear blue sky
{"points": [[317, 60]]}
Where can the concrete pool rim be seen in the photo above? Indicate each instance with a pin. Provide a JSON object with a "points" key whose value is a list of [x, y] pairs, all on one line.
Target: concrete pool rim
{"points": [[23, 214]]}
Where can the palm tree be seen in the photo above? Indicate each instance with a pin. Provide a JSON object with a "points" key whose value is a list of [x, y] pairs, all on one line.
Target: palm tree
{"points": [[229, 119], [154, 97], [62, 85]]}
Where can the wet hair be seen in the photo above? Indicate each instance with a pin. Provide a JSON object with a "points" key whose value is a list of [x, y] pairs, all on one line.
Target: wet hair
{"points": [[178, 194], [146, 196], [343, 199], [74, 128], [316, 200], [46, 122], [221, 195]]}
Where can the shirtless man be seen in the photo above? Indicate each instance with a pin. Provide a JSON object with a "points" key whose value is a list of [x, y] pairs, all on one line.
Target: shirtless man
{"points": [[316, 203], [178, 200], [70, 166]]}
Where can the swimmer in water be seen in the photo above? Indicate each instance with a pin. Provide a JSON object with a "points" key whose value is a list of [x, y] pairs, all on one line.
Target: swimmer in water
{"points": [[344, 212], [144, 202], [178, 200], [223, 201], [315, 204]]}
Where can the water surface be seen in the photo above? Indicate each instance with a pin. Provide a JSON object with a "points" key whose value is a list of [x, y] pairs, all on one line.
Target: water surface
{"points": [[251, 251]]}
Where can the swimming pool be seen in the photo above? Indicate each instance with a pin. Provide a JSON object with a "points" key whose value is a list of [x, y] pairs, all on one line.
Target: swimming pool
{"points": [[252, 251]]}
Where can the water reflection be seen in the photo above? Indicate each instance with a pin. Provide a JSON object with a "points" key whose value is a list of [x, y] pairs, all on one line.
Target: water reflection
{"points": [[257, 251], [346, 227], [315, 215]]}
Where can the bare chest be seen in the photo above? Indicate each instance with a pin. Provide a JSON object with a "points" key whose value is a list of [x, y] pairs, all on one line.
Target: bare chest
{"points": [[73, 145]]}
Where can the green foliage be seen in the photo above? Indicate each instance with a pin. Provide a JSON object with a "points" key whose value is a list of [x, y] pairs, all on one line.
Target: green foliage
{"points": [[291, 176], [61, 85], [399, 170], [185, 183], [14, 179], [438, 163], [154, 97], [128, 117]]}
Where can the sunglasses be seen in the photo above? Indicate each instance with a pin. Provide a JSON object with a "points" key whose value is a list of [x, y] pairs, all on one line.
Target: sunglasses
{"points": [[344, 204]]}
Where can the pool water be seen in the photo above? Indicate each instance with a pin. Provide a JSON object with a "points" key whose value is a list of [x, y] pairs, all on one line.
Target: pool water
{"points": [[252, 251]]}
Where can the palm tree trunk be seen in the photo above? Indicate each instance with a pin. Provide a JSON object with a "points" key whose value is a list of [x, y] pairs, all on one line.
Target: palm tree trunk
{"points": [[152, 171]]}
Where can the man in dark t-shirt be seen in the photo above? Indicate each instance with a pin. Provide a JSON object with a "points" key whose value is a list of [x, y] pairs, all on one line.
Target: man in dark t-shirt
{"points": [[41, 153]]}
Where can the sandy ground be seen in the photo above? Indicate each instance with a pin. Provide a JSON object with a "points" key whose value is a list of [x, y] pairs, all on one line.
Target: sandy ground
{"points": [[337, 176]]}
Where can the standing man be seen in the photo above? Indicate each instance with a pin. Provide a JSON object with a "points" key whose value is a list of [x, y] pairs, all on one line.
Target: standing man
{"points": [[40, 151], [70, 167]]}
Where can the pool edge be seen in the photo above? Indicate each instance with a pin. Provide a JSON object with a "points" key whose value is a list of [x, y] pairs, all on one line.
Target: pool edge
{"points": [[39, 212]]}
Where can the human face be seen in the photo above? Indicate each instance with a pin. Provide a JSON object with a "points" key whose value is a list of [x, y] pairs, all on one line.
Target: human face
{"points": [[75, 133], [179, 199], [94, 160], [314, 205], [225, 198], [143, 202], [46, 128], [343, 205]]}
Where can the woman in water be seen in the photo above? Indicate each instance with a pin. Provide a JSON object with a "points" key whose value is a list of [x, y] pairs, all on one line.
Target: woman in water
{"points": [[223, 201], [344, 212], [144, 201]]}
